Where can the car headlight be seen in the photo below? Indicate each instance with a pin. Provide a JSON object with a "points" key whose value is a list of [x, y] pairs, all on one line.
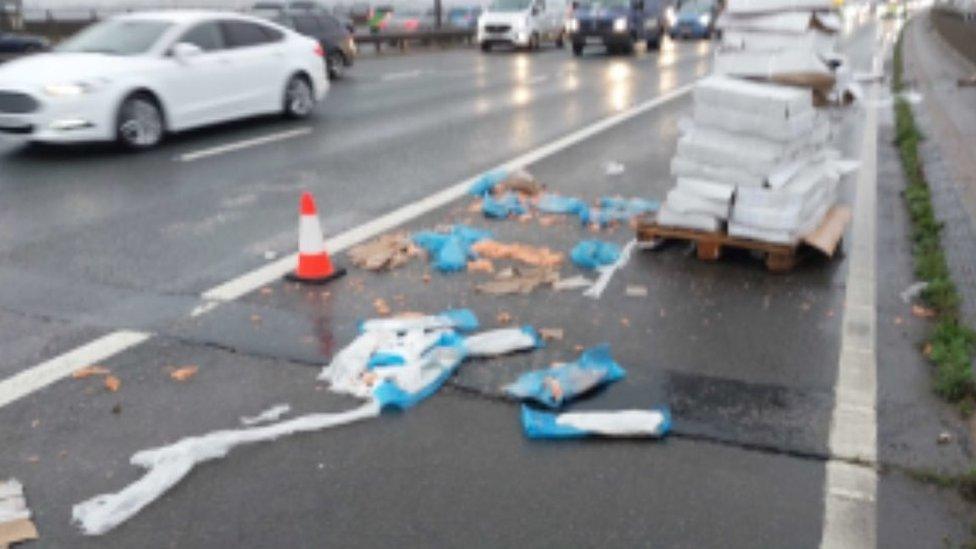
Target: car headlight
{"points": [[572, 25], [705, 18], [67, 90], [620, 24], [670, 16]]}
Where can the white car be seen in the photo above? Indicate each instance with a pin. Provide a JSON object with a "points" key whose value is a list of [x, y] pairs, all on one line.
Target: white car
{"points": [[522, 23], [136, 77]]}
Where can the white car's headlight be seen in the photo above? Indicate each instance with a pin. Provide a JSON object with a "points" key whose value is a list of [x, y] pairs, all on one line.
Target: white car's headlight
{"points": [[670, 16], [68, 90], [705, 18], [620, 24], [572, 25]]}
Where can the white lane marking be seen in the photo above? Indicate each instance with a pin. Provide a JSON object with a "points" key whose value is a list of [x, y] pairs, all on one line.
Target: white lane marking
{"points": [[850, 510], [41, 375], [244, 144], [416, 73], [270, 272], [60, 367]]}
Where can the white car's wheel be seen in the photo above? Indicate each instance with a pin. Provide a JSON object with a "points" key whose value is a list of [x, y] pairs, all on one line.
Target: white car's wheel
{"points": [[299, 98], [140, 122]]}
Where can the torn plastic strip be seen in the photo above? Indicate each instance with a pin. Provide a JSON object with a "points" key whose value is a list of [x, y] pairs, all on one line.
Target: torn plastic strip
{"points": [[540, 424], [168, 465], [502, 342], [562, 383], [458, 319]]}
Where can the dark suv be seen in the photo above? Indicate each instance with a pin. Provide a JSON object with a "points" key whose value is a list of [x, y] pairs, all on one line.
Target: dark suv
{"points": [[315, 22]]}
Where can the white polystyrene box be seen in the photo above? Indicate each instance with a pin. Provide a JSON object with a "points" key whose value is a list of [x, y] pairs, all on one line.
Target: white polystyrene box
{"points": [[684, 202], [756, 97], [670, 218]]}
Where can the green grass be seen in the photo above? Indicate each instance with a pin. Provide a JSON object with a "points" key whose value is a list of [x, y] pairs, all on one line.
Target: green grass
{"points": [[952, 343], [965, 483]]}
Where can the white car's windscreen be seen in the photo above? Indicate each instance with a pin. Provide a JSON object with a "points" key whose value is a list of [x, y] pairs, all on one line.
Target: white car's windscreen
{"points": [[117, 37]]}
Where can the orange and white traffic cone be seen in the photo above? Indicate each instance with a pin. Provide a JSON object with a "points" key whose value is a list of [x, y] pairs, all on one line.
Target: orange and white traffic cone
{"points": [[314, 264]]}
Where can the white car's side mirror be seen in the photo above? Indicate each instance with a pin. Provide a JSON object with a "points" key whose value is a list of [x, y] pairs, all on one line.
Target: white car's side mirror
{"points": [[185, 50]]}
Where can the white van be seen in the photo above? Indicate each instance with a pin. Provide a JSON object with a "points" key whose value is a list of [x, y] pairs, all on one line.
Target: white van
{"points": [[522, 23]]}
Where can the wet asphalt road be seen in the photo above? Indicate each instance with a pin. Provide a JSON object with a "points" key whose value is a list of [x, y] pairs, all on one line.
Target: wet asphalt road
{"points": [[92, 241]]}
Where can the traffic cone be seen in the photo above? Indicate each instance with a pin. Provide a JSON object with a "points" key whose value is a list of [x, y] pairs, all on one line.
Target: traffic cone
{"points": [[314, 264]]}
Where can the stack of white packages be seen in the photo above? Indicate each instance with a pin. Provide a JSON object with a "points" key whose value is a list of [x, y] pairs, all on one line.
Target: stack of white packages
{"points": [[756, 154]]}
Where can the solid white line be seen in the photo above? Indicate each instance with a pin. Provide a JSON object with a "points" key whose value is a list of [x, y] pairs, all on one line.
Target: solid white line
{"points": [[60, 367], [850, 511], [39, 376], [270, 272], [244, 144]]}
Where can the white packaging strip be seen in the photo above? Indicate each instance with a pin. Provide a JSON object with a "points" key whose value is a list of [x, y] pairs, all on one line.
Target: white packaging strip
{"points": [[719, 192], [685, 202], [273, 413], [619, 423], [167, 465], [500, 342], [669, 218]]}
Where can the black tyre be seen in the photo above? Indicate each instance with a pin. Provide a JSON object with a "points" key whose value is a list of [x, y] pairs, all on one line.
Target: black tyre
{"points": [[335, 62], [299, 99], [485, 47], [561, 41], [577, 49], [628, 48], [654, 43], [139, 124]]}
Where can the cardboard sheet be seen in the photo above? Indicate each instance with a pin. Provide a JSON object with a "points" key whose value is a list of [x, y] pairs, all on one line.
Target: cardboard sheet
{"points": [[826, 237]]}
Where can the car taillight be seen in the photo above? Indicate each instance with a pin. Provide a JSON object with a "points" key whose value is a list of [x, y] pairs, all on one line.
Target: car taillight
{"points": [[319, 51]]}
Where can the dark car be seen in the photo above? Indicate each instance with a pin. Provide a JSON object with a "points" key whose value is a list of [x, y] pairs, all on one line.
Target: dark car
{"points": [[616, 24], [18, 44], [315, 22], [693, 18]]}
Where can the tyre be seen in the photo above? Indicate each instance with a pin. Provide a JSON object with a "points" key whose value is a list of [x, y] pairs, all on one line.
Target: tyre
{"points": [[485, 47], [560, 41], [654, 43], [335, 63], [139, 124], [577, 49], [299, 100], [628, 48]]}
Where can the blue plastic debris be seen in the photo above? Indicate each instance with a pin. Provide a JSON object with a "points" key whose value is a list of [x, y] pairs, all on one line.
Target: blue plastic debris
{"points": [[557, 204], [450, 251], [503, 341], [382, 360], [633, 206], [562, 383], [590, 254], [487, 182], [501, 208], [463, 320], [439, 365], [541, 424]]}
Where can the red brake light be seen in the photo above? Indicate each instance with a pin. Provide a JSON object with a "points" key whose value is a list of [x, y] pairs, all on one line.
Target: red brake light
{"points": [[318, 50]]}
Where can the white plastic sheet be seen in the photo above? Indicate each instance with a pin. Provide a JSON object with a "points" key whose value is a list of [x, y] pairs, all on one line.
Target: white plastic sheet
{"points": [[500, 342], [273, 413], [615, 423]]}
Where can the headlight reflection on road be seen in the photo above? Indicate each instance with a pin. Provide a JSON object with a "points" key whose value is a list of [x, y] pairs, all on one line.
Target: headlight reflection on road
{"points": [[521, 95], [667, 54], [666, 81], [522, 68], [621, 85]]}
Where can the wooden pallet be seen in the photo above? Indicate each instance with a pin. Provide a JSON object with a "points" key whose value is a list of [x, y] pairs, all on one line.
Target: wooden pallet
{"points": [[780, 258]]}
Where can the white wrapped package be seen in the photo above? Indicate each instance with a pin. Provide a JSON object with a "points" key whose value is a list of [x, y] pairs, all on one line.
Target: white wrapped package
{"points": [[788, 22], [812, 40], [793, 67], [684, 202], [718, 192], [774, 126], [669, 218], [727, 175], [798, 191], [772, 6], [749, 153], [739, 230], [758, 98], [502, 342]]}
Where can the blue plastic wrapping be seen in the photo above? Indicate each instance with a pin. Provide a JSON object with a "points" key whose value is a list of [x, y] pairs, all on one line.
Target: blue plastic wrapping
{"points": [[509, 204], [450, 251], [590, 254], [440, 363], [463, 320], [557, 204], [541, 424], [503, 341], [487, 182], [557, 385], [632, 206]]}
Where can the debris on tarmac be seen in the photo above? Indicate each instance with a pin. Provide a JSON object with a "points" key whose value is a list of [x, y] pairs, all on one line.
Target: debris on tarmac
{"points": [[454, 319], [558, 204], [633, 290], [273, 413], [481, 266], [89, 371], [15, 517], [518, 280], [551, 334], [503, 317], [572, 283], [381, 307], [450, 251], [540, 424], [921, 311], [386, 252], [614, 168], [562, 383], [590, 254], [945, 437], [502, 342], [530, 255], [487, 182], [913, 291], [503, 207], [183, 373], [607, 271], [112, 383]]}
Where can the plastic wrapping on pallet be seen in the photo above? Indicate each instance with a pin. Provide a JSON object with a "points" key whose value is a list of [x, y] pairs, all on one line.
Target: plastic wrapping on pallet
{"points": [[815, 41], [701, 222], [792, 67], [686, 202], [709, 190], [775, 127], [759, 98], [780, 23], [736, 7]]}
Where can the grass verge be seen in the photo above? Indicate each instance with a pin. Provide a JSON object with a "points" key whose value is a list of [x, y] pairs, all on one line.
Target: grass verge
{"points": [[952, 343]]}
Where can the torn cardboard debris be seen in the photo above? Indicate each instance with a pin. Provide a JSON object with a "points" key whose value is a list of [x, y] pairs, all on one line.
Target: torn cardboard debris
{"points": [[826, 237], [530, 255], [388, 251], [15, 518], [518, 281]]}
